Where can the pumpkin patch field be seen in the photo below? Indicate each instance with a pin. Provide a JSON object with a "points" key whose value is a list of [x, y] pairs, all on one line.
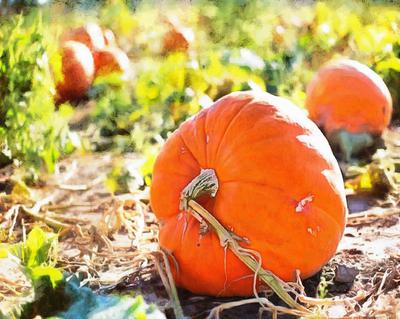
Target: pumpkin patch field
{"points": [[199, 159]]}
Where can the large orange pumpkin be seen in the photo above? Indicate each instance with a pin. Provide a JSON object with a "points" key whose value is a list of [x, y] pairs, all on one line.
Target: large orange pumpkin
{"points": [[77, 70], [90, 34], [347, 95], [279, 186]]}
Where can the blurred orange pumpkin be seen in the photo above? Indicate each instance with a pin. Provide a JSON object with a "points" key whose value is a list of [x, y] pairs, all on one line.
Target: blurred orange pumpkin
{"points": [[91, 35], [77, 70], [177, 38], [111, 59], [174, 40], [279, 186], [347, 95]]}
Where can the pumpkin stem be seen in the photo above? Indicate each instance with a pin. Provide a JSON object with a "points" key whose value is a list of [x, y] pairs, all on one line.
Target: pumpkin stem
{"points": [[228, 239], [205, 183]]}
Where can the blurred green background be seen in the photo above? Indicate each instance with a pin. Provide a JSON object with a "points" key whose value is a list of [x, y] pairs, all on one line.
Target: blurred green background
{"points": [[275, 46]]}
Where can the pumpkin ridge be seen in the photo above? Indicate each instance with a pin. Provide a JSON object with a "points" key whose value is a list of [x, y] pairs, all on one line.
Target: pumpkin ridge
{"points": [[205, 144], [176, 173], [196, 138], [229, 126], [188, 149], [324, 212], [279, 135], [279, 116], [260, 184], [189, 222]]}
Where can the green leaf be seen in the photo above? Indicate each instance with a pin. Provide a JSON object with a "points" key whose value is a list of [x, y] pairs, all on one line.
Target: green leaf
{"points": [[389, 64], [55, 275], [34, 244], [30, 124], [38, 249]]}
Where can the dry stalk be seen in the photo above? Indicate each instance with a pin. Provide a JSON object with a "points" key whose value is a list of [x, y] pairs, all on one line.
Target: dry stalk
{"points": [[266, 306], [164, 269], [371, 214]]}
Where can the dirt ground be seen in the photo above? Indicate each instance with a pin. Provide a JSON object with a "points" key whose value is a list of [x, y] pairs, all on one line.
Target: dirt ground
{"points": [[111, 241]]}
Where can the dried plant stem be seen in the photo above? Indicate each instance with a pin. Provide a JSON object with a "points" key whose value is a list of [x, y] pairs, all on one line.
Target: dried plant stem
{"points": [[373, 214], [169, 283], [34, 213], [53, 223], [215, 312]]}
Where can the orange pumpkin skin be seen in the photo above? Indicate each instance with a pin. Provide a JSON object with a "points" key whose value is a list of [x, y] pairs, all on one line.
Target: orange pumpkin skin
{"points": [[90, 34], [279, 186], [347, 95], [111, 59], [175, 41], [178, 37], [77, 69]]}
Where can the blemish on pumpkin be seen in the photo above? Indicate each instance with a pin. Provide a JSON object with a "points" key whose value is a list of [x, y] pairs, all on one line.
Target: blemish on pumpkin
{"points": [[198, 242], [207, 139], [302, 204], [311, 231], [183, 150]]}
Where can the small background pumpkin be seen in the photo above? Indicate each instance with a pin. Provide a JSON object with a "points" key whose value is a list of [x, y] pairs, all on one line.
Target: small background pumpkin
{"points": [[77, 69], [351, 103], [111, 59], [279, 186], [178, 37], [90, 34]]}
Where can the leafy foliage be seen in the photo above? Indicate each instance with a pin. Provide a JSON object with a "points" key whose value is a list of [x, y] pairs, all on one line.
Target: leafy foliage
{"points": [[54, 294], [379, 177], [124, 178], [37, 255], [266, 46], [39, 250], [31, 131]]}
